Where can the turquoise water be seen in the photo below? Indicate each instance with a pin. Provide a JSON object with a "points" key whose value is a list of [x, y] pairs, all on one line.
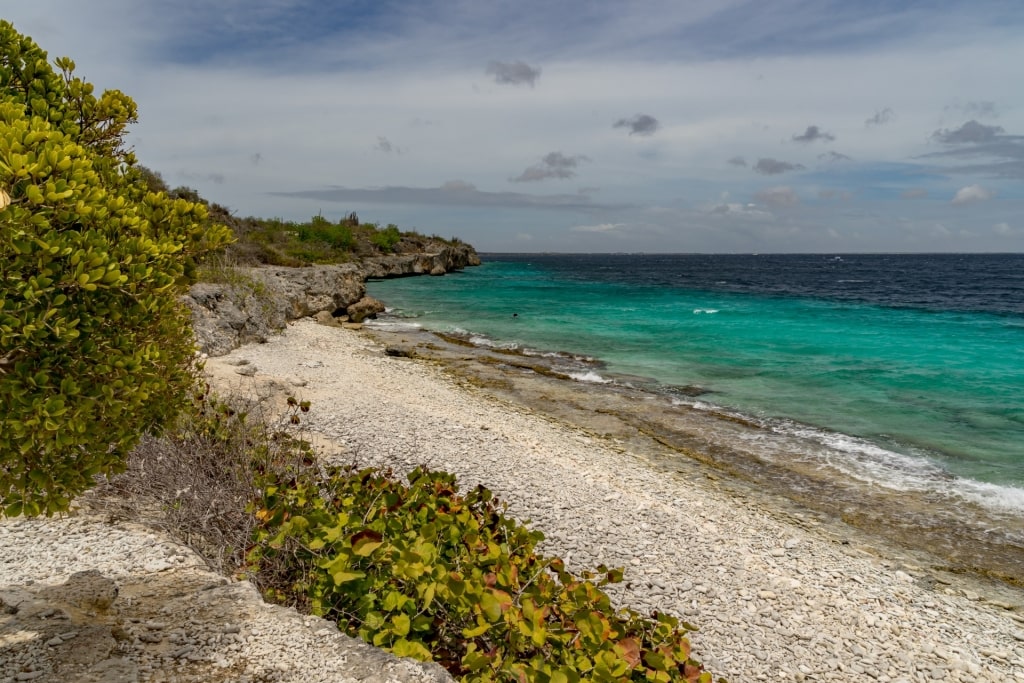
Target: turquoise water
{"points": [[911, 387]]}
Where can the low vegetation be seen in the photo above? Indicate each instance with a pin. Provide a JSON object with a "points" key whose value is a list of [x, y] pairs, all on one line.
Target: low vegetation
{"points": [[319, 240], [413, 566], [430, 573]]}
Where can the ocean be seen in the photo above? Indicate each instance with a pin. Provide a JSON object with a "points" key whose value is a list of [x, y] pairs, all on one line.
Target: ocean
{"points": [[904, 373]]}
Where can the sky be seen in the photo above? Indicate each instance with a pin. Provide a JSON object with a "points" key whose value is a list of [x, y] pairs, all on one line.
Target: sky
{"points": [[715, 126]]}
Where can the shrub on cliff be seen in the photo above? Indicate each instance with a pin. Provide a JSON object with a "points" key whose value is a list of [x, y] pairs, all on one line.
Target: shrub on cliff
{"points": [[386, 239], [95, 347]]}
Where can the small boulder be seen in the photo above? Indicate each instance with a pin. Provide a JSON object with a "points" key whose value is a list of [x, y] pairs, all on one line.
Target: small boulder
{"points": [[325, 318], [367, 307], [397, 352]]}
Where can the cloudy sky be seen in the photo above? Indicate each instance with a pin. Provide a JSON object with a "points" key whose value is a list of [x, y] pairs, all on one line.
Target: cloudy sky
{"points": [[671, 126]]}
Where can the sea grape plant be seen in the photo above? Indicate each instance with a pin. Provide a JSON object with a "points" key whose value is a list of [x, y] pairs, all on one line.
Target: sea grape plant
{"points": [[430, 573], [95, 347]]}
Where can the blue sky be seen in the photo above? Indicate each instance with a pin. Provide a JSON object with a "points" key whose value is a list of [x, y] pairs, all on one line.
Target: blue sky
{"points": [[702, 126]]}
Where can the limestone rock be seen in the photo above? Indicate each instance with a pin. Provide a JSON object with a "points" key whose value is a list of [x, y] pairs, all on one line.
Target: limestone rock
{"points": [[325, 318], [88, 590], [449, 258], [367, 307], [261, 300], [226, 316], [301, 292]]}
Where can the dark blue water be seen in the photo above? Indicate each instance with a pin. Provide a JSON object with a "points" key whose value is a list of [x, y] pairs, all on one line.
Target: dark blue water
{"points": [[905, 370]]}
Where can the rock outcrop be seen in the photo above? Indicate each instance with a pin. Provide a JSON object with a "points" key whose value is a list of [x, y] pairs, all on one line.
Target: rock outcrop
{"points": [[148, 610], [439, 263], [367, 307], [225, 316], [259, 301]]}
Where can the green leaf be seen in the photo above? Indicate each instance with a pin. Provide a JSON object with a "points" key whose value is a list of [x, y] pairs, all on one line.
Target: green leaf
{"points": [[474, 661], [476, 631], [346, 576], [365, 542], [411, 648], [490, 606], [400, 624]]}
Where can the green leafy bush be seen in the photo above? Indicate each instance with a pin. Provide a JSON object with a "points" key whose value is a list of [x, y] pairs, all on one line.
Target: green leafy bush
{"points": [[336, 236], [94, 345], [428, 573], [387, 238]]}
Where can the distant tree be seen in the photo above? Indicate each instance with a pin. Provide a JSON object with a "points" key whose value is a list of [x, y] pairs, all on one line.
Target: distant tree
{"points": [[95, 347], [184, 192], [154, 181]]}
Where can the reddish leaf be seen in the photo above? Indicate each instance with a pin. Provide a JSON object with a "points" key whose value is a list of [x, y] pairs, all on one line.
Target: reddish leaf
{"points": [[629, 649]]}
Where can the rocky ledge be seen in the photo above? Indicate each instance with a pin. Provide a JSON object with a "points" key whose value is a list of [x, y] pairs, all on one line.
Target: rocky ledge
{"points": [[259, 301], [86, 600]]}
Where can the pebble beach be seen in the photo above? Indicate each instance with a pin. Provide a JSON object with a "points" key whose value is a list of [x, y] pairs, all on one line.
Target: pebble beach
{"points": [[775, 595]]}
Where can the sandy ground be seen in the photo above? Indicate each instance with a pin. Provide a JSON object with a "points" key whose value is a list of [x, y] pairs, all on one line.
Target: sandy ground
{"points": [[776, 596]]}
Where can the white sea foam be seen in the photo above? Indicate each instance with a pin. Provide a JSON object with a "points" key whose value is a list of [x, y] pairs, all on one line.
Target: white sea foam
{"points": [[708, 311], [486, 342], [589, 376], [392, 325], [868, 462]]}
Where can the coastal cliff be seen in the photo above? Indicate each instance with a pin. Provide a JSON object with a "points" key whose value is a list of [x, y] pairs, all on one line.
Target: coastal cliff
{"points": [[253, 303]]}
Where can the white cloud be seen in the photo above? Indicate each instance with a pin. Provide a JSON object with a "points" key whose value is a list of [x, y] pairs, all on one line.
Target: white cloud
{"points": [[972, 194], [736, 209]]}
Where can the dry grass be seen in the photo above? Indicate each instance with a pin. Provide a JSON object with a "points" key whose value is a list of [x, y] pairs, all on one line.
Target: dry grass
{"points": [[197, 481]]}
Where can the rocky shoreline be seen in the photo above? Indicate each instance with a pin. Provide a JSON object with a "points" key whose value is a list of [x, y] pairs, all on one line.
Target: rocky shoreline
{"points": [[257, 302], [776, 595]]}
